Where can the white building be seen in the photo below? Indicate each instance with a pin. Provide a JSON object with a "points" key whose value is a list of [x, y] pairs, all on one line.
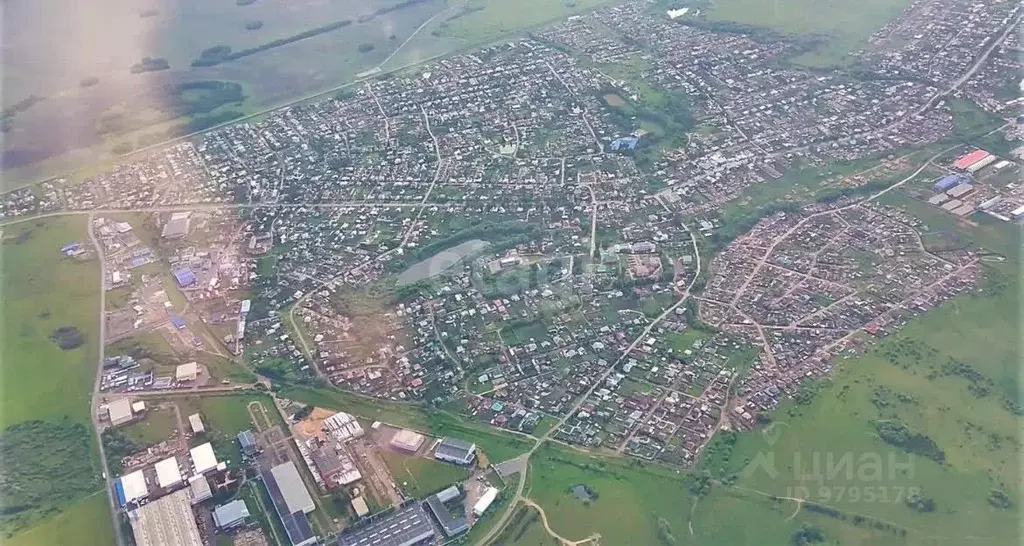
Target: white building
{"points": [[120, 411], [484, 502], [203, 458], [343, 426], [167, 473]]}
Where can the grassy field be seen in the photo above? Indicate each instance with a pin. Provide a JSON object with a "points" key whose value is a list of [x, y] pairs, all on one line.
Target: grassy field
{"points": [[157, 427], [421, 476], [933, 380], [645, 505], [41, 292], [845, 25], [86, 523], [525, 529]]}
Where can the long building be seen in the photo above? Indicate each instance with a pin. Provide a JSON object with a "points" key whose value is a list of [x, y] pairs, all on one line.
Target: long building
{"points": [[296, 524], [167, 521], [405, 526]]}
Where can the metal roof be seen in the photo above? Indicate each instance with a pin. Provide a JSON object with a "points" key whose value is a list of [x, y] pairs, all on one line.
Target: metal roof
{"points": [[167, 521], [293, 491], [296, 525], [449, 523], [230, 514], [402, 527], [203, 458]]}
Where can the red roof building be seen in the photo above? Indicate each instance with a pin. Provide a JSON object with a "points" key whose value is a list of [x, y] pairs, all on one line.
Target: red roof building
{"points": [[970, 159]]}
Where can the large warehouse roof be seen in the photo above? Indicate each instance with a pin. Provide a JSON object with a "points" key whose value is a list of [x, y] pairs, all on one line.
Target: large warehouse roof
{"points": [[403, 527], [296, 524], [167, 521], [203, 458], [343, 426], [294, 492], [167, 473], [120, 411]]}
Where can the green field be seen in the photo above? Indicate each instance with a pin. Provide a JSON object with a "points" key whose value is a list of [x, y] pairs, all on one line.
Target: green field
{"points": [[933, 379], [156, 427], [641, 505], [39, 380], [421, 476], [44, 389], [86, 523], [525, 528], [845, 26]]}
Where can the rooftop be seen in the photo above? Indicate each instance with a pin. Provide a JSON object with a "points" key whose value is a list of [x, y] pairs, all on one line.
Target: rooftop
{"points": [[402, 527], [167, 521]]}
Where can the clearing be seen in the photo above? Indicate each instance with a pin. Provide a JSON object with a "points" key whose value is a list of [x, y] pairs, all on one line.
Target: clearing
{"points": [[441, 262]]}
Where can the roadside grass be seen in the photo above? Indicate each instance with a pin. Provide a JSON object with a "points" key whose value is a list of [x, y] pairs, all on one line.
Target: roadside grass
{"points": [[420, 476], [844, 25], [158, 425], [525, 528], [85, 523]]}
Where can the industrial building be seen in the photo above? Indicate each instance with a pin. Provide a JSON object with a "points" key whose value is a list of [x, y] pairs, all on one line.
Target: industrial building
{"points": [[334, 465], [167, 473], [184, 277], [485, 500], [167, 521], [450, 524], [359, 507], [177, 226], [981, 164], [970, 159], [247, 441], [120, 411], [196, 422], [131, 488], [960, 191], [293, 490], [950, 181], [407, 440], [199, 489], [343, 426], [296, 524], [203, 458], [186, 372], [231, 514], [456, 451], [404, 526]]}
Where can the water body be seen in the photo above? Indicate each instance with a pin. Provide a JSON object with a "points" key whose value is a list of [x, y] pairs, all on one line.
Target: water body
{"points": [[441, 262]]}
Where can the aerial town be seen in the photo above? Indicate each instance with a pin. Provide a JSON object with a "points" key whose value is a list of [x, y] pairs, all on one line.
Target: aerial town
{"points": [[534, 237]]}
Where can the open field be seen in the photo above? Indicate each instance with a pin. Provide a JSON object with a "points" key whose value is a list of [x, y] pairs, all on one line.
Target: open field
{"points": [[158, 425], [421, 476], [641, 505], [224, 417], [44, 389], [83, 524], [845, 26], [42, 291], [953, 402], [525, 529]]}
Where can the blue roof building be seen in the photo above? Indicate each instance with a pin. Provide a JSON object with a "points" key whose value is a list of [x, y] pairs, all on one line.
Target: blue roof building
{"points": [[185, 277], [949, 182], [231, 514], [178, 322]]}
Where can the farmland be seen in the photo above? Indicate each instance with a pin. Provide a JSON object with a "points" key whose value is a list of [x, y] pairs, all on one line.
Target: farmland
{"points": [[845, 29], [49, 301]]}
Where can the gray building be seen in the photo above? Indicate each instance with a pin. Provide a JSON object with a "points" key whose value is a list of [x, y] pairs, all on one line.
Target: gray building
{"points": [[406, 526], [231, 514], [456, 451]]}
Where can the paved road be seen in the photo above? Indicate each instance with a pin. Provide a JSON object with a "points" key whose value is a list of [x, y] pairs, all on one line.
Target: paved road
{"points": [[108, 482]]}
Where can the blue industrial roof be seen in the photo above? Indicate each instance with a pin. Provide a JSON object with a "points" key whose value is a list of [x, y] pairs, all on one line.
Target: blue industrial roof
{"points": [[119, 489], [184, 276], [178, 322]]}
